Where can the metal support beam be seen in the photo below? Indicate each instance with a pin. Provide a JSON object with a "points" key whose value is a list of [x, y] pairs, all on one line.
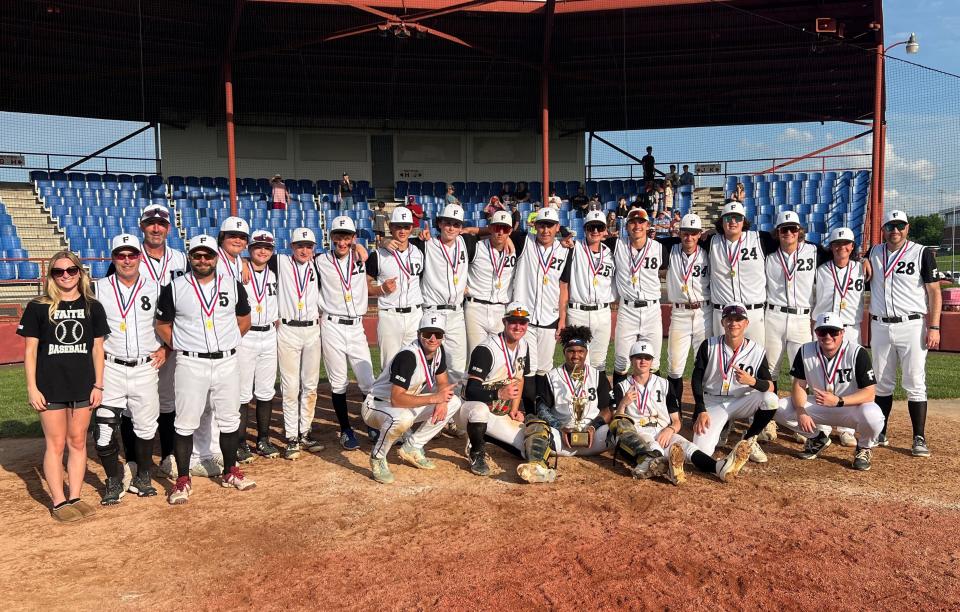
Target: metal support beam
{"points": [[876, 176], [815, 153], [231, 150], [156, 147], [617, 149], [548, 12], [109, 146]]}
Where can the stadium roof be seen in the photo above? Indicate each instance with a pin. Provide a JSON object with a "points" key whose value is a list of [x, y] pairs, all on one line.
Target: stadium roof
{"points": [[341, 63]]}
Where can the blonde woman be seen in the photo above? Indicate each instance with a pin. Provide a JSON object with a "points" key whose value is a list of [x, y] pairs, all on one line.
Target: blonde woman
{"points": [[63, 361]]}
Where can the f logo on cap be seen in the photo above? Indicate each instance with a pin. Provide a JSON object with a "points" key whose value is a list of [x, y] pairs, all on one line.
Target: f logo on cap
{"points": [[126, 239]]}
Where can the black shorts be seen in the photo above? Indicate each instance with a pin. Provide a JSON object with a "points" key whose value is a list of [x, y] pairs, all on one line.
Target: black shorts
{"points": [[61, 405]]}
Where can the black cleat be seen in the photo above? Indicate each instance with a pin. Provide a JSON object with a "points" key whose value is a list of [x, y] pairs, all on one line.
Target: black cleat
{"points": [[268, 450], [861, 461], [141, 486], [478, 464], [113, 492], [814, 446]]}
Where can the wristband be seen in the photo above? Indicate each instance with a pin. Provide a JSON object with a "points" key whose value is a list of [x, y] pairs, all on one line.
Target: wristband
{"points": [[839, 402], [98, 388], [934, 327]]}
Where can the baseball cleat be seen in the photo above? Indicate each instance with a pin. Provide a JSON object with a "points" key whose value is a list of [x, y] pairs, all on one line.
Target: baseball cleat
{"points": [[453, 431], [756, 453], [168, 467], [244, 454], [207, 468], [883, 440], [373, 434], [642, 470], [415, 457], [815, 446], [920, 448], [348, 441], [129, 469], [268, 450], [735, 461], [847, 439], [536, 472], [799, 438], [309, 444], [181, 491], [235, 478], [478, 464], [675, 459], [292, 451], [861, 461], [380, 470], [113, 492], [141, 486], [769, 433]]}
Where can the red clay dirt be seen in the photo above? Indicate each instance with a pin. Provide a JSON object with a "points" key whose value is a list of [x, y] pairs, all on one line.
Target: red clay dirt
{"points": [[319, 533]]}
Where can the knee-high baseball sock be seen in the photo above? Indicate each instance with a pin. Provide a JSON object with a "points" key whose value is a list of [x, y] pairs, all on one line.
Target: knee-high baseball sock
{"points": [[704, 462], [128, 437], [229, 441], [760, 420], [918, 416], [676, 390], [530, 394], [263, 419], [886, 407], [182, 447], [244, 420], [340, 408], [476, 433], [111, 463], [541, 385], [167, 433], [143, 450]]}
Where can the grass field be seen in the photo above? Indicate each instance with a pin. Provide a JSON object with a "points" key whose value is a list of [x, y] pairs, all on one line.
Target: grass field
{"points": [[17, 419]]}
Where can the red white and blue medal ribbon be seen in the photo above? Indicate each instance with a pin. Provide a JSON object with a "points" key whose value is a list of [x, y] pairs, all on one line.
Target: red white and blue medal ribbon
{"points": [[508, 359], [578, 391], [346, 280], [688, 270], [207, 306], [429, 370], [734, 258], [300, 284], [888, 267], [498, 267], [642, 398], [453, 263], [259, 292], [788, 271], [637, 262], [124, 306], [594, 269], [545, 262], [830, 372], [407, 269], [725, 364], [157, 276], [843, 286]]}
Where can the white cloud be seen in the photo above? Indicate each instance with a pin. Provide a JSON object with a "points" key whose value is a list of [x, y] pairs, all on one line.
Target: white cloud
{"points": [[792, 134], [920, 169], [749, 145]]}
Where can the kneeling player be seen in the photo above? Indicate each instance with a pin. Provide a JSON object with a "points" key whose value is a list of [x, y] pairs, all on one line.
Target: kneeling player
{"points": [[843, 383], [395, 402], [646, 427]]}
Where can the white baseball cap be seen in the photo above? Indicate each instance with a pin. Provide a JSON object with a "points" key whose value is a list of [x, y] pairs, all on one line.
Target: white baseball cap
{"points": [[433, 320], [125, 241], [402, 216], [895, 215], [302, 234], [202, 241], [516, 310], [547, 214], [788, 217], [501, 217], [454, 212], [595, 216], [263, 238], [732, 207], [344, 224], [829, 320], [641, 348], [691, 221], [155, 212], [235, 224], [840, 234]]}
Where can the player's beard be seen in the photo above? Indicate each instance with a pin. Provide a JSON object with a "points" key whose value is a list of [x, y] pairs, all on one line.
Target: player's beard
{"points": [[203, 274]]}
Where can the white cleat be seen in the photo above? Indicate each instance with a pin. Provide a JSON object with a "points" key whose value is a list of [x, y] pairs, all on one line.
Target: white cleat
{"points": [[168, 467], [536, 472], [674, 464], [735, 461]]}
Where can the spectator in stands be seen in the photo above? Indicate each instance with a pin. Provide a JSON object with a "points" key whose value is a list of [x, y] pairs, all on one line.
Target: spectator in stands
{"points": [[346, 192], [687, 177], [514, 211], [531, 220], [672, 176], [595, 203], [63, 331], [662, 224], [646, 199], [580, 202], [452, 196], [675, 224], [417, 211], [493, 206], [739, 193], [613, 223], [379, 220], [279, 194], [522, 194], [668, 195], [649, 165], [554, 200], [622, 208]]}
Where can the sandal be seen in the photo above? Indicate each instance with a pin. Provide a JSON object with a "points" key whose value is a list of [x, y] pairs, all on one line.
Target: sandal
{"points": [[85, 509], [65, 513]]}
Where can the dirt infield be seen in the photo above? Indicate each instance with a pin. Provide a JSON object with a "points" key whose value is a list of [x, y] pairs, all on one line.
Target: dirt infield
{"points": [[319, 533]]}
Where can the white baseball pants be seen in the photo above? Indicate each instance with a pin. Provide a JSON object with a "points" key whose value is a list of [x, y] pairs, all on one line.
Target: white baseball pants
{"points": [[396, 330], [649, 437], [599, 322], [134, 389], [784, 331], [865, 420], [395, 422], [207, 380], [724, 408], [343, 343], [258, 365], [542, 342], [299, 351], [454, 343], [688, 329], [501, 427], [635, 324], [904, 344], [481, 320], [755, 330], [206, 438]]}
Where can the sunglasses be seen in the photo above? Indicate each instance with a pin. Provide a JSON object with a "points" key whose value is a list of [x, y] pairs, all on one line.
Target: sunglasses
{"points": [[58, 272], [501, 229], [235, 235], [733, 218], [155, 214], [126, 256], [427, 335], [833, 333], [456, 224], [518, 320], [789, 229], [596, 228], [642, 357], [895, 225], [203, 256]]}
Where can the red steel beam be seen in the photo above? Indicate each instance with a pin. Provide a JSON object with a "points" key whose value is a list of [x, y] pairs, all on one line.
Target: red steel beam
{"points": [[876, 176], [231, 150], [815, 153], [548, 13]]}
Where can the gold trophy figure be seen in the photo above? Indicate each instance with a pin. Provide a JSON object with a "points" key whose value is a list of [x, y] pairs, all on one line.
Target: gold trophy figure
{"points": [[579, 437]]}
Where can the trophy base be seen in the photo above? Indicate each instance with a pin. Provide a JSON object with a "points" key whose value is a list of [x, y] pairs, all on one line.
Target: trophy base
{"points": [[579, 439]]}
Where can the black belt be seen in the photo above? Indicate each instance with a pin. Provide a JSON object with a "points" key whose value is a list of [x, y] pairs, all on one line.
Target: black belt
{"points": [[640, 303], [484, 302], [445, 307], [789, 310], [342, 321], [404, 310], [293, 323], [130, 363], [691, 305], [912, 317], [217, 355], [260, 328], [587, 307], [377, 399], [748, 306]]}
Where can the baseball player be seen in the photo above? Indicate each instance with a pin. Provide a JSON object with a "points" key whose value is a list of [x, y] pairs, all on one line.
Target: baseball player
{"points": [[133, 355], [841, 384], [343, 300], [412, 389], [161, 264], [646, 427], [738, 269], [588, 281], [203, 315], [257, 355], [839, 289], [731, 381], [905, 307], [495, 389], [688, 289], [231, 242], [489, 281], [395, 280]]}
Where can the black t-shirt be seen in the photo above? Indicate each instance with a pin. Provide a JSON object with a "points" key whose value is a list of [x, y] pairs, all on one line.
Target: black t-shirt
{"points": [[65, 353]]}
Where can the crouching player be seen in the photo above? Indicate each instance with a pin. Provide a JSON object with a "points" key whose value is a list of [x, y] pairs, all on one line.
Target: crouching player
{"points": [[397, 400], [646, 427], [840, 375]]}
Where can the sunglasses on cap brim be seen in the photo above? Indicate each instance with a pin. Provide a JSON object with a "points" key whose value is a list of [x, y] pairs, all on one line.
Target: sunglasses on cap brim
{"points": [[262, 241], [155, 215]]}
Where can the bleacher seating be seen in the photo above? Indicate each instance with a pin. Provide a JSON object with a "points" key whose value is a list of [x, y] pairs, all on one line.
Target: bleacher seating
{"points": [[11, 248]]}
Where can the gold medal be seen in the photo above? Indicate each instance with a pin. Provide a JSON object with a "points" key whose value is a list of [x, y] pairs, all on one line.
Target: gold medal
{"points": [[635, 279], [499, 285], [843, 304], [726, 387], [123, 326], [830, 388], [733, 273], [683, 288], [259, 308], [456, 279], [546, 281], [209, 323], [299, 305], [348, 297], [596, 281]]}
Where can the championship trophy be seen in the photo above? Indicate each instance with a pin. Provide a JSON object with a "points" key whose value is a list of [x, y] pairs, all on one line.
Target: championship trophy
{"points": [[579, 437]]}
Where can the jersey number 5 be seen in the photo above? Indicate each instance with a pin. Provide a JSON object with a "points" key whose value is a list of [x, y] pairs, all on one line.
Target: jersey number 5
{"points": [[224, 301]]}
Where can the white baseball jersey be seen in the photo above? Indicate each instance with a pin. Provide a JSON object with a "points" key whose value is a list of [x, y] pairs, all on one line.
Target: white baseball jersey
{"points": [[848, 371], [229, 267], [493, 361], [411, 370], [491, 274], [688, 276], [537, 279], [650, 407], [445, 272], [840, 290], [130, 313], [737, 272], [564, 389], [897, 285], [790, 277], [343, 284], [298, 290], [405, 266], [719, 377], [204, 316], [262, 297], [590, 275], [638, 270], [163, 270]]}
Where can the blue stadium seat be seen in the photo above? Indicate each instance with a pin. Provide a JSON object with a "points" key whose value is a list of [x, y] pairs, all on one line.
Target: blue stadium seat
{"points": [[28, 270]]}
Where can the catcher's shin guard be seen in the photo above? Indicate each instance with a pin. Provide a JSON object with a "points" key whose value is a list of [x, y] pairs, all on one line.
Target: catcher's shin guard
{"points": [[625, 438], [538, 449]]}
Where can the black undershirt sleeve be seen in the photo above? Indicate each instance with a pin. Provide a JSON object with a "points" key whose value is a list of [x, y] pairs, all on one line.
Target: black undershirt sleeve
{"points": [[272, 263], [673, 402], [442, 356], [863, 370], [420, 244], [481, 360], [519, 238], [928, 267], [696, 379], [470, 242], [797, 370], [565, 273], [165, 308], [823, 254], [768, 243], [764, 382], [617, 395], [603, 392], [243, 304], [611, 242], [372, 266], [402, 368]]}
